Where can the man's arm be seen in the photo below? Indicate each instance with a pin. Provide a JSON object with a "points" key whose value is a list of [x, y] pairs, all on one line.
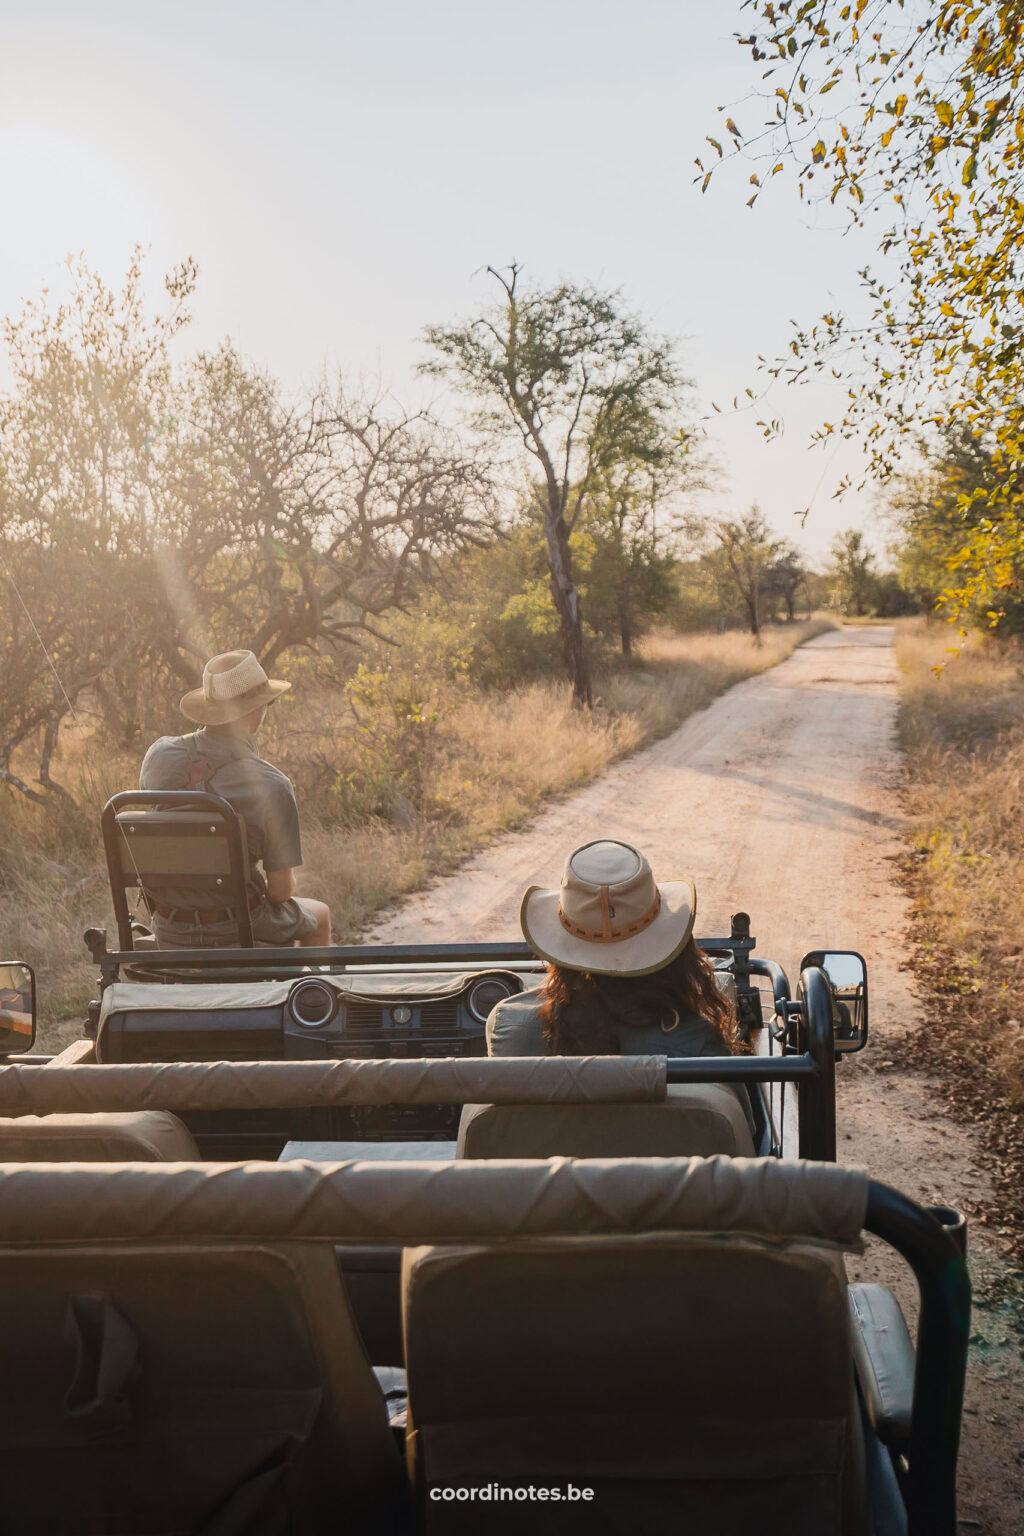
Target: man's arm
{"points": [[280, 884], [282, 849]]}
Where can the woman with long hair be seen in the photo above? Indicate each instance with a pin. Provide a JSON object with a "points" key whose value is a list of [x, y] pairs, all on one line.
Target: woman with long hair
{"points": [[624, 974]]}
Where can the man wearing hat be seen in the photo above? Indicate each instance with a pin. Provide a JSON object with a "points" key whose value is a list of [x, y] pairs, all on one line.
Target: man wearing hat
{"points": [[221, 757]]}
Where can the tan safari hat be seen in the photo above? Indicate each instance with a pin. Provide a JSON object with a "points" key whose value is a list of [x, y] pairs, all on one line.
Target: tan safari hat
{"points": [[609, 917], [233, 684]]}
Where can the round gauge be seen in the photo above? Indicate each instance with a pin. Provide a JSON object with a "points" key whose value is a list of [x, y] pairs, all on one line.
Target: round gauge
{"points": [[486, 992], [401, 1014], [312, 1003]]}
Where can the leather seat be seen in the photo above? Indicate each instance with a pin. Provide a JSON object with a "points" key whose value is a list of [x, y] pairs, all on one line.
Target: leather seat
{"points": [[142, 1136], [695, 1383], [189, 1388], [693, 1120]]}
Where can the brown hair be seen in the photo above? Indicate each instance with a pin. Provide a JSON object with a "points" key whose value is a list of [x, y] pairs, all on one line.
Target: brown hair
{"points": [[582, 1013]]}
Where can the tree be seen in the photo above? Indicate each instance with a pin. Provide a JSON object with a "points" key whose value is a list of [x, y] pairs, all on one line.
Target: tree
{"points": [[582, 386], [748, 551], [152, 513], [784, 577], [927, 119], [852, 572], [933, 506], [81, 449]]}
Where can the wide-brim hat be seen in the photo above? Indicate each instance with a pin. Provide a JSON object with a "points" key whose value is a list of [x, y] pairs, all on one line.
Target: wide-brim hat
{"points": [[609, 916], [233, 684]]}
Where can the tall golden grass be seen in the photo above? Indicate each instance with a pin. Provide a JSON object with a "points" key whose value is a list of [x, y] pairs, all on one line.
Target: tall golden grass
{"points": [[493, 759], [963, 733]]}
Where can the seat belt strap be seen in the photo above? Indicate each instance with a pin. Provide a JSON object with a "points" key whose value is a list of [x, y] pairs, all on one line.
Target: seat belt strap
{"points": [[200, 769]]}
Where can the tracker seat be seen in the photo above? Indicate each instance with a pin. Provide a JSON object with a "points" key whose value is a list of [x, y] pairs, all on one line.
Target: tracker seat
{"points": [[179, 848]]}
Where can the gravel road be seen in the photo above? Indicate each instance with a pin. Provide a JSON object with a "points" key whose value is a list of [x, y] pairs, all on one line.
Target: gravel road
{"points": [[782, 799]]}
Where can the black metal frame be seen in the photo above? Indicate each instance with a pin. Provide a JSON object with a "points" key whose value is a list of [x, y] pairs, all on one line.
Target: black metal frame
{"points": [[943, 1330], [182, 800]]}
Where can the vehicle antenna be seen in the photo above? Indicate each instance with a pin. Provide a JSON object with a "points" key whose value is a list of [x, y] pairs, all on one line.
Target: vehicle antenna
{"points": [[42, 643]]}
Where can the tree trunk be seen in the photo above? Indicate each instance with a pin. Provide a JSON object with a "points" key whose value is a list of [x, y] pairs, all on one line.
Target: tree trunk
{"points": [[567, 604], [790, 600], [752, 613], [626, 635]]}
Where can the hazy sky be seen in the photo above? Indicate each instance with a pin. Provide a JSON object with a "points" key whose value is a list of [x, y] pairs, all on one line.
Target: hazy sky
{"points": [[341, 171]]}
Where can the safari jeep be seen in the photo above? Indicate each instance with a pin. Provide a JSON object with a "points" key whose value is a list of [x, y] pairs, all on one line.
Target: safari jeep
{"points": [[284, 1251]]}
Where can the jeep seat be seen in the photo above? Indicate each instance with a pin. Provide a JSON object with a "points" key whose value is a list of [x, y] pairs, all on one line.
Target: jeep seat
{"points": [[203, 1388], [628, 1367], [145, 1136], [693, 1120]]}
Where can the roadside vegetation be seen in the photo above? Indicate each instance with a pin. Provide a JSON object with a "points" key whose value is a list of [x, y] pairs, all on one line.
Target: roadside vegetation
{"points": [[963, 734]]}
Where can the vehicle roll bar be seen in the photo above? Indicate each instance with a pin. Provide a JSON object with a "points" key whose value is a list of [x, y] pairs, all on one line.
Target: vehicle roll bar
{"points": [[943, 1331]]}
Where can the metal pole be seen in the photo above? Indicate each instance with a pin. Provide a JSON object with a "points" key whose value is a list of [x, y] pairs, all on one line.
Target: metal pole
{"points": [[943, 1331]]}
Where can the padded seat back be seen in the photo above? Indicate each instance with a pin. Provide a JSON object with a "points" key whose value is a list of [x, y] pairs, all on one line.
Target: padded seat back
{"points": [[161, 849], [179, 849], [143, 1136], [694, 1120], [208, 1388], [694, 1383]]}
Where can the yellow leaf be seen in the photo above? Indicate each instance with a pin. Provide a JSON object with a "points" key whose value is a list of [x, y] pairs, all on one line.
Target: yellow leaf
{"points": [[731, 126], [818, 152], [944, 113], [901, 106]]}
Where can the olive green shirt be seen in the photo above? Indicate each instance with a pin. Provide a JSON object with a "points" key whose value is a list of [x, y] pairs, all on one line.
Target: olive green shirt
{"points": [[257, 790], [514, 1029]]}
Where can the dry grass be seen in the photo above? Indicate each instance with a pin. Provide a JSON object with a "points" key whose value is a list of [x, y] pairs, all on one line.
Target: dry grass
{"points": [[963, 732], [493, 760]]}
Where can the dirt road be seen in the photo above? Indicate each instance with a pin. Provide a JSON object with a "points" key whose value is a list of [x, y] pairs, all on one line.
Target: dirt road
{"points": [[782, 799]]}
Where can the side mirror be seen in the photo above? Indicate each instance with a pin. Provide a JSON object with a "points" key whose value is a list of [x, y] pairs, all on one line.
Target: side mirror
{"points": [[17, 1007], [847, 974]]}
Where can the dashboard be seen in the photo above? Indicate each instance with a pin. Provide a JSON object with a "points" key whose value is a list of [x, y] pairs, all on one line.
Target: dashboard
{"points": [[312, 1018]]}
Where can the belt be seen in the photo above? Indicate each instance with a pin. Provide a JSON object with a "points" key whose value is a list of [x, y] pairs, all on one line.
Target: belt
{"points": [[194, 915]]}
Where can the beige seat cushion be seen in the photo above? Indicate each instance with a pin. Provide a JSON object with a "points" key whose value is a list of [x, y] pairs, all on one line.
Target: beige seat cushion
{"points": [[141, 1136], [696, 1384], [694, 1120]]}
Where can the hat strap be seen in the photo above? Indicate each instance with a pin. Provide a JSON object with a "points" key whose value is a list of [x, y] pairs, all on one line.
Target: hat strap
{"points": [[608, 934]]}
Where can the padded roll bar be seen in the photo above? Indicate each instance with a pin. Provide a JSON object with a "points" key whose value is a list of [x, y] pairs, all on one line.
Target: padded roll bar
{"points": [[177, 1086]]}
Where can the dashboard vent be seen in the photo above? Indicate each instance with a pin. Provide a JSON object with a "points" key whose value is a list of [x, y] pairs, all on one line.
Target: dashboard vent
{"points": [[440, 1016], [363, 1018]]}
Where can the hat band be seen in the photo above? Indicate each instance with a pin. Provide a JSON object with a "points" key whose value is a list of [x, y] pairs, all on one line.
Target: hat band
{"points": [[608, 934], [236, 698]]}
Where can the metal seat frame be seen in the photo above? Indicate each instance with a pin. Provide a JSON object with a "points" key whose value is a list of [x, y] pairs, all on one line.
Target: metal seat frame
{"points": [[230, 888]]}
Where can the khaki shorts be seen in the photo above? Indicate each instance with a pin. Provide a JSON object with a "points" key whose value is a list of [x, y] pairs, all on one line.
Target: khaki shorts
{"points": [[273, 923]]}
